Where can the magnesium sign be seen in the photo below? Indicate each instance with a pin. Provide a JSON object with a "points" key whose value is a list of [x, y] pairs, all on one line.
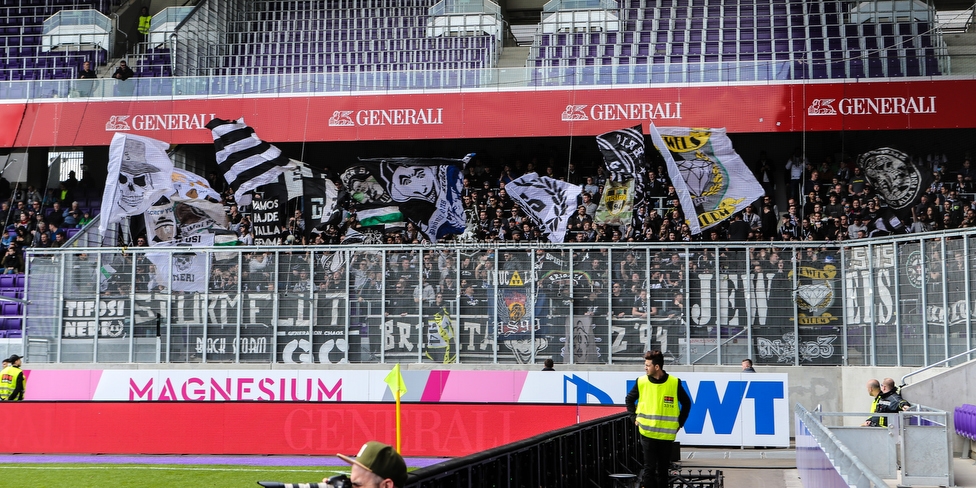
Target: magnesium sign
{"points": [[728, 409]]}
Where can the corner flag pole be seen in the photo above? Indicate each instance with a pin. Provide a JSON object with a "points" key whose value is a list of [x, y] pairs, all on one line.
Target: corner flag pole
{"points": [[395, 381]]}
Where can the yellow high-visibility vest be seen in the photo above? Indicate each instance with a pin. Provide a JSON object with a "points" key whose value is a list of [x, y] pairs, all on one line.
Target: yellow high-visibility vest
{"points": [[882, 420], [8, 380], [658, 408], [144, 21]]}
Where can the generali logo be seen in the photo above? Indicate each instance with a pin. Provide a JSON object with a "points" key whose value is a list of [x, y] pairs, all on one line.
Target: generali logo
{"points": [[394, 116], [153, 122], [872, 106], [622, 111]]}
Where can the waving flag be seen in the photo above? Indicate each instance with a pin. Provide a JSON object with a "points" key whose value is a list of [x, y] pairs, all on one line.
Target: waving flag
{"points": [[427, 192], [185, 271], [623, 152], [548, 201], [617, 203], [624, 159], [712, 181], [139, 173], [319, 197], [246, 161], [395, 381], [896, 179]]}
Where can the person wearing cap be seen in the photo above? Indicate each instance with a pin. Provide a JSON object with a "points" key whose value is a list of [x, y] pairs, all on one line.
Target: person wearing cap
{"points": [[377, 466], [12, 382]]}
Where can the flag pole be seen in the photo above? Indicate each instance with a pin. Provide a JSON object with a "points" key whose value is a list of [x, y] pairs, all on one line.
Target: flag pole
{"points": [[398, 430], [395, 381]]}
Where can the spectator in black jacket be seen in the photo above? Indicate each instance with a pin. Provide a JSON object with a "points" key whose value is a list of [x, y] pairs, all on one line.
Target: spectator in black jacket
{"points": [[123, 73]]}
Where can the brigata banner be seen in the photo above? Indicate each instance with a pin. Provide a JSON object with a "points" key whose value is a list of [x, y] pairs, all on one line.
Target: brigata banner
{"points": [[729, 409], [929, 104]]}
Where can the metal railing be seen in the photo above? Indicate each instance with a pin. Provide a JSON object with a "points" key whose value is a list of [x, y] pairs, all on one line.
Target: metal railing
{"points": [[581, 455], [904, 301], [865, 455], [813, 471], [937, 363], [557, 5]]}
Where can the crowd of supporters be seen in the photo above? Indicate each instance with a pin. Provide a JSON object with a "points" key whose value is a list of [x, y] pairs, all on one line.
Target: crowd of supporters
{"points": [[831, 201], [37, 218]]}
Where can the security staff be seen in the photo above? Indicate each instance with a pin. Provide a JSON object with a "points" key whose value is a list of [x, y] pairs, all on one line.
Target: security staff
{"points": [[12, 383], [145, 22], [886, 400], [661, 406]]}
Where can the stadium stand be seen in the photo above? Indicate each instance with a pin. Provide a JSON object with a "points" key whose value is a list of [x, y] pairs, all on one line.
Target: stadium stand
{"points": [[677, 41], [375, 44], [377, 36], [22, 53]]}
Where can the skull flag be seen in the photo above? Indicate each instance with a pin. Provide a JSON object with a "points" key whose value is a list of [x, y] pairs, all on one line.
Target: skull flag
{"points": [[426, 190], [139, 173]]}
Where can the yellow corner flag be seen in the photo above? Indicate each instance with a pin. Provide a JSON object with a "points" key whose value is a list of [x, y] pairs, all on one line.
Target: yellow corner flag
{"points": [[395, 381]]}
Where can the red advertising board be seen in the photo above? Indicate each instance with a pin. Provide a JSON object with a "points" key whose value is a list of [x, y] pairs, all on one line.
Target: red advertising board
{"points": [[11, 114], [448, 430], [929, 104]]}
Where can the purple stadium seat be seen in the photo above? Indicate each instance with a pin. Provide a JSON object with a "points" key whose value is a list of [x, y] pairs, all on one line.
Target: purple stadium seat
{"points": [[9, 309]]}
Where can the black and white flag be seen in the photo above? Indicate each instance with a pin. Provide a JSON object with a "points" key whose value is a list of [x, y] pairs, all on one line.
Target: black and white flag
{"points": [[895, 178], [623, 157], [246, 161], [623, 152], [548, 201], [320, 197], [426, 190], [180, 271], [139, 173]]}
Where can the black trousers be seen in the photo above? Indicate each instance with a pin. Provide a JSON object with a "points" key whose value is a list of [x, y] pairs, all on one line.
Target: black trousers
{"points": [[657, 459]]}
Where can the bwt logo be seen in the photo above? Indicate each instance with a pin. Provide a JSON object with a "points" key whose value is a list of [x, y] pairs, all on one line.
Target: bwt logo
{"points": [[725, 411]]}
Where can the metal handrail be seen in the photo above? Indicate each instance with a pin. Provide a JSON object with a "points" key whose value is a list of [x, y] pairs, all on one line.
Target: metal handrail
{"points": [[903, 378], [727, 340], [824, 436]]}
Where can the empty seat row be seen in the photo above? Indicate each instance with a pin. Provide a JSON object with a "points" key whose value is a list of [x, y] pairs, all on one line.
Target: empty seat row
{"points": [[334, 24], [340, 13], [389, 57], [368, 47], [292, 64], [13, 281], [336, 4], [8, 324], [12, 293], [11, 309], [964, 419]]}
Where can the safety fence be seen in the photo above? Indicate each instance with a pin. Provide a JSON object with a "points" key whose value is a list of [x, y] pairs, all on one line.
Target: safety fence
{"points": [[913, 449], [903, 301], [580, 455]]}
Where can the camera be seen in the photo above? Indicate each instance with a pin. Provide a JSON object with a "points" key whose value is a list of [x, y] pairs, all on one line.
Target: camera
{"points": [[340, 481]]}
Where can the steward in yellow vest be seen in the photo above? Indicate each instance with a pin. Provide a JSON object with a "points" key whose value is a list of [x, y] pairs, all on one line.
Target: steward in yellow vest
{"points": [[12, 383], [145, 21], [661, 406]]}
